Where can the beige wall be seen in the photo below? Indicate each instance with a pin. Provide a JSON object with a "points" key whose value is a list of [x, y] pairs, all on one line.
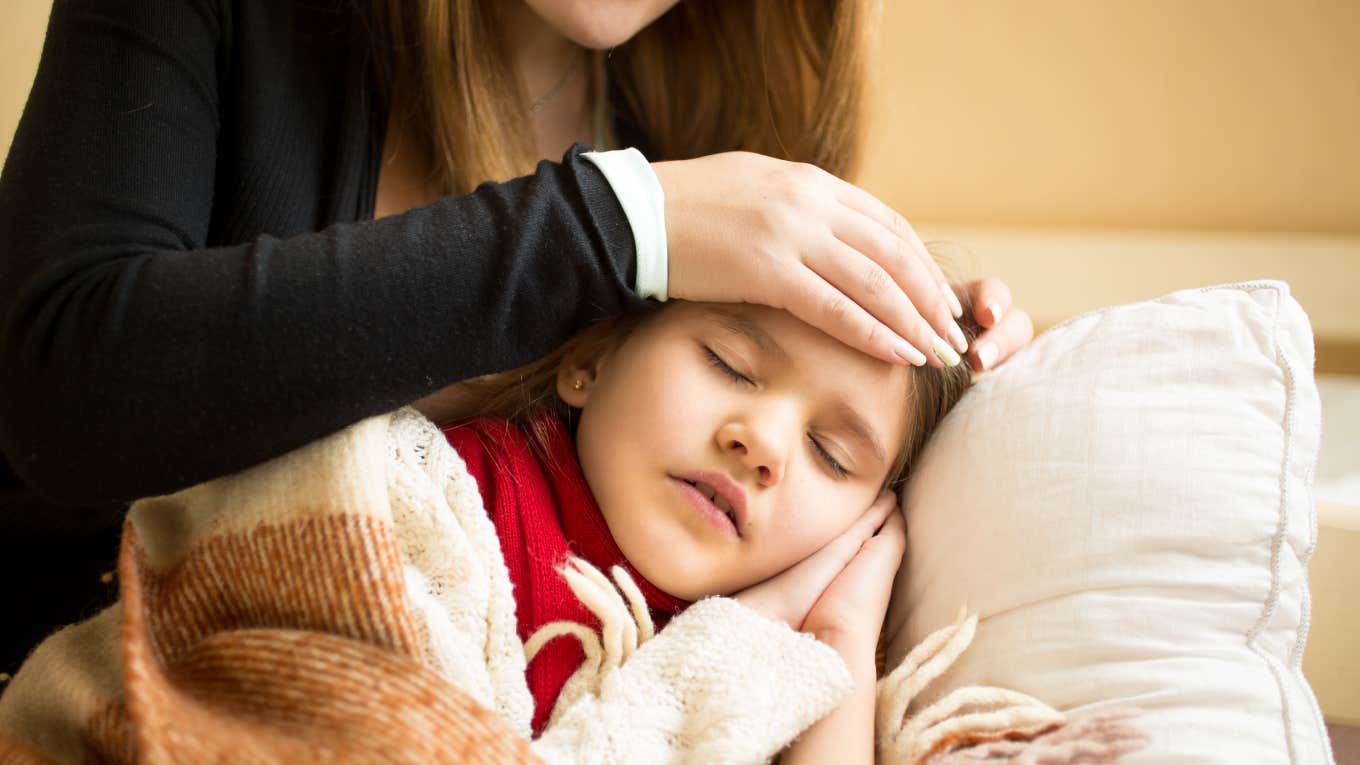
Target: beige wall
{"points": [[21, 38], [1330, 662], [1164, 114], [1094, 151]]}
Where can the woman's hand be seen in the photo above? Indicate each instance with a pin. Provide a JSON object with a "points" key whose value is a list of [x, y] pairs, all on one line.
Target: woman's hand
{"points": [[746, 228], [842, 589], [1006, 329]]}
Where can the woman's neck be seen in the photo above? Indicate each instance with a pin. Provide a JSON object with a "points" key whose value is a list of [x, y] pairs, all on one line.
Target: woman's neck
{"points": [[556, 73]]}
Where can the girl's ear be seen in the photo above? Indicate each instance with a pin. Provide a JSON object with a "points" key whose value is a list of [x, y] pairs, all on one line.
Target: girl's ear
{"points": [[576, 379]]}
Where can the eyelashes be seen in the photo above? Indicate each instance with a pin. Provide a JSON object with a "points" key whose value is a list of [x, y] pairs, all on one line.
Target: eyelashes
{"points": [[726, 369], [827, 458], [723, 367]]}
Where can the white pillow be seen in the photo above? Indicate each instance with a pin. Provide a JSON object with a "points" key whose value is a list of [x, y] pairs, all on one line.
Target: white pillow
{"points": [[1128, 505]]}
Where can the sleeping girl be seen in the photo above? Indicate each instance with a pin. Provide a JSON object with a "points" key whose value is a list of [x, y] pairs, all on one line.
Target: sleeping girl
{"points": [[709, 450], [396, 592]]}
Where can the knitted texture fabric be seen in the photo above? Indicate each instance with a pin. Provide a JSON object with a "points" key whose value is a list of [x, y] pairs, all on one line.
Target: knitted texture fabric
{"points": [[349, 600], [984, 723], [544, 512], [1088, 739]]}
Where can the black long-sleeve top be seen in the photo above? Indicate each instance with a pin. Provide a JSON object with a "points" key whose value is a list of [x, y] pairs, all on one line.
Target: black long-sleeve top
{"points": [[190, 279]]}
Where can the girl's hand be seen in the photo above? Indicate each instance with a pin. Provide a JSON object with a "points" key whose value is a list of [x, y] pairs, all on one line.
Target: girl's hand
{"points": [[848, 617], [849, 614], [746, 228], [819, 594]]}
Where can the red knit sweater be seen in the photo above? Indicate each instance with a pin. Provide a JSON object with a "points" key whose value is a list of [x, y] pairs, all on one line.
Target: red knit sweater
{"points": [[543, 510]]}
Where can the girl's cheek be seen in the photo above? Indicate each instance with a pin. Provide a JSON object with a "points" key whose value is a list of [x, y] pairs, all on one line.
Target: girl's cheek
{"points": [[843, 507], [819, 511]]}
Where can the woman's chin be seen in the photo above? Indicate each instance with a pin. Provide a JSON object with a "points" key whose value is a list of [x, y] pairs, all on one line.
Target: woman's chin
{"points": [[602, 24]]}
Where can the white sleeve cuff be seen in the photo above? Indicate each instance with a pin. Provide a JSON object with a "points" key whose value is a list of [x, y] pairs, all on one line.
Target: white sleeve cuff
{"points": [[644, 203]]}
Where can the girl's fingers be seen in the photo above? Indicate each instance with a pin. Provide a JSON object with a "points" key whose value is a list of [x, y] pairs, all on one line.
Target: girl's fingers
{"points": [[892, 538], [792, 593], [997, 344], [878, 513], [814, 573], [868, 205], [918, 278], [836, 554], [878, 560], [894, 526], [829, 309]]}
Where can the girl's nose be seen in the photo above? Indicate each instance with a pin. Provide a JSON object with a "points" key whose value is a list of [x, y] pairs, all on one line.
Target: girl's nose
{"points": [[758, 449]]}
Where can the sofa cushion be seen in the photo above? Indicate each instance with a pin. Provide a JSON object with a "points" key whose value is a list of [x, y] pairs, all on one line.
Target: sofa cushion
{"points": [[1128, 505]]}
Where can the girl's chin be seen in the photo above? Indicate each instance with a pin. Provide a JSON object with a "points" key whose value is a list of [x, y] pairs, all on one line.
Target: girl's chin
{"points": [[671, 570]]}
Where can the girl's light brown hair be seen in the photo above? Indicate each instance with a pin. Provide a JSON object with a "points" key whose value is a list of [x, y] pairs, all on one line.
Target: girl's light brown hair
{"points": [[784, 78], [522, 395]]}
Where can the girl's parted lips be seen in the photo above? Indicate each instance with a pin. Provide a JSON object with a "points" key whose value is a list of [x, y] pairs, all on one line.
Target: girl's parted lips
{"points": [[724, 492]]}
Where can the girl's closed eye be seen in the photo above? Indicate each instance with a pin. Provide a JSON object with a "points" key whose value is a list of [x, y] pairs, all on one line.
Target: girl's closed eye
{"points": [[724, 367], [836, 468]]}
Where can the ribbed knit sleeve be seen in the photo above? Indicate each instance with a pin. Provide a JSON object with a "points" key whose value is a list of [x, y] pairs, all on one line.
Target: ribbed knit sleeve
{"points": [[720, 683], [136, 359]]}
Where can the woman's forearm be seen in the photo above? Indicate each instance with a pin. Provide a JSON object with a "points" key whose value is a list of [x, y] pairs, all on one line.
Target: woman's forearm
{"points": [[846, 736]]}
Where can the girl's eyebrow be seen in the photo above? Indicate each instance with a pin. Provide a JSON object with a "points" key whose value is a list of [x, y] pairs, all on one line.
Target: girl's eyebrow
{"points": [[862, 430], [748, 329]]}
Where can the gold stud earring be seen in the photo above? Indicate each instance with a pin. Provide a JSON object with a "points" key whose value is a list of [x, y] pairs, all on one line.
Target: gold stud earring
{"points": [[578, 385]]}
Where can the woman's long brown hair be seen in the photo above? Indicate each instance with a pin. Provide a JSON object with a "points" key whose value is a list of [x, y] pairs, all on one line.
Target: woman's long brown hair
{"points": [[784, 78]]}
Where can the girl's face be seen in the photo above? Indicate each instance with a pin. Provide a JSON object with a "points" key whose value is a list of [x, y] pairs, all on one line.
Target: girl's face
{"points": [[794, 431]]}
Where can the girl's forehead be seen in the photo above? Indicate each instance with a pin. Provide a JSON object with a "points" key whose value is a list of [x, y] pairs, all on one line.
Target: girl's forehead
{"points": [[818, 360], [779, 334]]}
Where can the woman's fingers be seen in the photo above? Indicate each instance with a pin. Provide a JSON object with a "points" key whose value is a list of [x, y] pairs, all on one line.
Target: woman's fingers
{"points": [[791, 236], [907, 241], [991, 300], [920, 291], [826, 307], [1010, 334]]}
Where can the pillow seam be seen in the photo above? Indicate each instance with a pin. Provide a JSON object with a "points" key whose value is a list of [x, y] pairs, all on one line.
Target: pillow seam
{"points": [[1282, 527]]}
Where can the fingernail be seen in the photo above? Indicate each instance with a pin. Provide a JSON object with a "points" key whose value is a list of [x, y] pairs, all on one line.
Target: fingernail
{"points": [[908, 353], [994, 308], [956, 337], [986, 353], [955, 307], [944, 353]]}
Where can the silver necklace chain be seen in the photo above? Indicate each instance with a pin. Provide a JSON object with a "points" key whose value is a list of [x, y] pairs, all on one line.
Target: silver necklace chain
{"points": [[547, 98]]}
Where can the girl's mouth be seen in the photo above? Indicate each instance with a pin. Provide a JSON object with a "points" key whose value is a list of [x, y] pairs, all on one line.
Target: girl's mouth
{"points": [[711, 503]]}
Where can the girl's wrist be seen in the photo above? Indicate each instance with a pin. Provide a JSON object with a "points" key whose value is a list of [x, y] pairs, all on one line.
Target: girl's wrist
{"points": [[856, 648]]}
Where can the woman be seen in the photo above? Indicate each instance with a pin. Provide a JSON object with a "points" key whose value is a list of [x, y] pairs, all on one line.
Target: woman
{"points": [[261, 212]]}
